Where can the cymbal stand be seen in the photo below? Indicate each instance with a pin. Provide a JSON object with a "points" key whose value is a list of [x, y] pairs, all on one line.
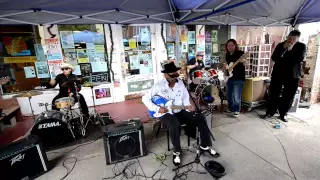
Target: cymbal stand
{"points": [[32, 111], [83, 129], [95, 114]]}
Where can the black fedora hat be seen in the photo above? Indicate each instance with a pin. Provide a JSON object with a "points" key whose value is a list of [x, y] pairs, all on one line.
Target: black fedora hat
{"points": [[170, 68]]}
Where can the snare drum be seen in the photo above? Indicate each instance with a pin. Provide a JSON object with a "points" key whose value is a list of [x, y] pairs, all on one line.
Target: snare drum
{"points": [[65, 102], [197, 74], [212, 72]]}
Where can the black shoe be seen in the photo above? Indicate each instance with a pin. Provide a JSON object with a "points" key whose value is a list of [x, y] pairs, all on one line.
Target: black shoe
{"points": [[212, 152], [266, 116], [284, 118], [176, 158]]}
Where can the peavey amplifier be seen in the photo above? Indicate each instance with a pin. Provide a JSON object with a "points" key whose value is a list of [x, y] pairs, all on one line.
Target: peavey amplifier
{"points": [[123, 141], [23, 160]]}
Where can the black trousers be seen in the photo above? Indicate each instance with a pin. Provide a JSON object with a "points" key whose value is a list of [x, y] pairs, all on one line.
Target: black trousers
{"points": [[173, 123], [83, 103], [283, 103]]}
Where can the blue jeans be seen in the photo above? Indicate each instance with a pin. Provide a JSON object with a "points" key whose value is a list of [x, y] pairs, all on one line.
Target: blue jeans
{"points": [[234, 94]]}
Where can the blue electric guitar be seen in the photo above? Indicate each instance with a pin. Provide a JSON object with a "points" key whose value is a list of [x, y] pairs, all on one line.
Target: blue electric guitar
{"points": [[163, 102]]}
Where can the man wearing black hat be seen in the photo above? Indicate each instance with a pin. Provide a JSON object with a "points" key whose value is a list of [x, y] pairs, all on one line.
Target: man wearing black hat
{"points": [[173, 88]]}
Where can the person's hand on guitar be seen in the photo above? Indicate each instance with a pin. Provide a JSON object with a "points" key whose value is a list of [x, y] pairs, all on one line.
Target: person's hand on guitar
{"points": [[71, 94], [163, 110], [190, 108]]}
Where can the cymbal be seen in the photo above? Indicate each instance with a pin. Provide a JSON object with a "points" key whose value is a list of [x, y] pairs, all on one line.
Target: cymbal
{"points": [[89, 84], [28, 94]]}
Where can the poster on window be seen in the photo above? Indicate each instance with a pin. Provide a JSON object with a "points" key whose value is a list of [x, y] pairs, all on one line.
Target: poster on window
{"points": [[77, 70], [99, 66], [214, 36], [29, 72], [54, 68], [102, 93], [85, 69], [192, 50], [42, 69], [170, 47], [184, 47], [134, 62], [208, 37], [39, 50], [82, 56], [66, 38], [70, 56], [97, 57], [208, 53], [184, 35], [99, 48], [191, 37], [53, 49], [145, 63], [200, 43], [98, 38], [132, 43], [145, 36]]}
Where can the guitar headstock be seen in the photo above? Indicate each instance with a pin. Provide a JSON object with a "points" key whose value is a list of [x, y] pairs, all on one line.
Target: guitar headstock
{"points": [[4, 80]]}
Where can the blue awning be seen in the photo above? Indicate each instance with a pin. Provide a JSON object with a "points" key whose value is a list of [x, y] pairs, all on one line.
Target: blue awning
{"points": [[215, 12]]}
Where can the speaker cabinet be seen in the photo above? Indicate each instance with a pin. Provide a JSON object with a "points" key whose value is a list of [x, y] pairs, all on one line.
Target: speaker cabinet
{"points": [[123, 141]]}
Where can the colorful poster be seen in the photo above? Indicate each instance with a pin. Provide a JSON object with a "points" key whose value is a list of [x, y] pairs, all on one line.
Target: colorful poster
{"points": [[208, 53], [97, 57], [214, 36], [90, 46], [192, 50], [42, 69], [99, 48], [99, 66], [132, 43], [70, 56], [170, 47], [215, 48], [184, 35], [29, 72], [208, 37], [53, 49], [191, 37], [82, 56], [102, 93], [184, 47], [200, 43], [38, 48], [134, 62], [54, 67], [66, 38], [145, 37]]}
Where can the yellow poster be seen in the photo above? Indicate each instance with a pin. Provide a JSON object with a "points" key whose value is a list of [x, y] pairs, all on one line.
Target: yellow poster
{"points": [[82, 56], [132, 43], [25, 59]]}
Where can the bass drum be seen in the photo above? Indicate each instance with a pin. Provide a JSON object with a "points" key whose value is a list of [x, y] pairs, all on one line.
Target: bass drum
{"points": [[51, 129], [208, 94]]}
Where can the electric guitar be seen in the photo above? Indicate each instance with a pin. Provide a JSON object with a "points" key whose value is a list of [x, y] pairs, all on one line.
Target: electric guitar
{"points": [[163, 102], [228, 71], [4, 80]]}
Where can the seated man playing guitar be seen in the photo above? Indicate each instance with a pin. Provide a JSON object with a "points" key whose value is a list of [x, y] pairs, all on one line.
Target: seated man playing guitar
{"points": [[173, 88]]}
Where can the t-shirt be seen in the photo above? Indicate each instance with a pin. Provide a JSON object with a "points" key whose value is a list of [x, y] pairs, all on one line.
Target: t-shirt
{"points": [[193, 62], [239, 70], [64, 91]]}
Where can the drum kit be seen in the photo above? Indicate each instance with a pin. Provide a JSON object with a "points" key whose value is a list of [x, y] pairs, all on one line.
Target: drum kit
{"points": [[54, 127], [210, 86]]}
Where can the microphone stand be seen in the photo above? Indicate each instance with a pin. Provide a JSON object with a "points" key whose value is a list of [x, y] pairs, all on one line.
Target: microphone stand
{"points": [[197, 158], [83, 130]]}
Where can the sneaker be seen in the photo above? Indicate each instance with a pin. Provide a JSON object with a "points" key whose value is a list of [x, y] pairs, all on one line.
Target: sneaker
{"points": [[236, 114], [212, 152], [228, 112], [176, 158]]}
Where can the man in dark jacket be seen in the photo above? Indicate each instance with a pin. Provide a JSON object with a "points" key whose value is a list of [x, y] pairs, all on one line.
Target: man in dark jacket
{"points": [[288, 57]]}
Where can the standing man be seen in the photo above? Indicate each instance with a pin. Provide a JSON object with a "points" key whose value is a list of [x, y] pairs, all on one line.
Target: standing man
{"points": [[288, 57], [173, 88], [193, 65], [66, 83], [235, 83]]}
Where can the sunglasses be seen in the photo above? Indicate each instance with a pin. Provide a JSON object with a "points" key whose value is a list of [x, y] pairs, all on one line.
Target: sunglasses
{"points": [[65, 69]]}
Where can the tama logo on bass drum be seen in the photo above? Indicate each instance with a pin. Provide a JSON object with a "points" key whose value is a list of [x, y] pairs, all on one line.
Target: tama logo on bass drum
{"points": [[49, 125]]}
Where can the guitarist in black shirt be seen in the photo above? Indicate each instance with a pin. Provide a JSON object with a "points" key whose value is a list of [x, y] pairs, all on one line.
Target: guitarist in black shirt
{"points": [[236, 81]]}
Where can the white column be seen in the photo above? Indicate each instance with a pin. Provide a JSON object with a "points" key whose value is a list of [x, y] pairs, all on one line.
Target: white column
{"points": [[117, 59], [160, 52]]}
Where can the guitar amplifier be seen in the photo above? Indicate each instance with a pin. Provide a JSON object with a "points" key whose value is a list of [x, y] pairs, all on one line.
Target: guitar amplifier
{"points": [[23, 160], [123, 141]]}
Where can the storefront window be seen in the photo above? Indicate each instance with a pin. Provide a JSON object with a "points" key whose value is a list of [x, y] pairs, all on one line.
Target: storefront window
{"points": [[137, 45]]}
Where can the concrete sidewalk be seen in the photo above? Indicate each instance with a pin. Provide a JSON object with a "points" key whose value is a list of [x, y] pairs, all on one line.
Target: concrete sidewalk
{"points": [[251, 149]]}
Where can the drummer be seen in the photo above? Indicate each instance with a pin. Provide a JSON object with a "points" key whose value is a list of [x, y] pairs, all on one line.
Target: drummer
{"points": [[195, 64], [67, 89]]}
